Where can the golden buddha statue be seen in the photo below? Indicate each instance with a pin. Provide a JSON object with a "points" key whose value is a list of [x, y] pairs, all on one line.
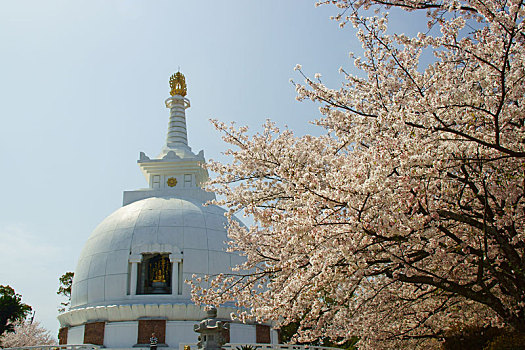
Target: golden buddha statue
{"points": [[159, 274]]}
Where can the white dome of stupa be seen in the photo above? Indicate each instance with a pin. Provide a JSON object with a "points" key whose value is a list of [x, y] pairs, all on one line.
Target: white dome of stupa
{"points": [[185, 229]]}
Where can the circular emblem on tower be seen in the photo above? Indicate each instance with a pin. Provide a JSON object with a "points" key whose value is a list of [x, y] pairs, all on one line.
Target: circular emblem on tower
{"points": [[172, 182], [178, 84]]}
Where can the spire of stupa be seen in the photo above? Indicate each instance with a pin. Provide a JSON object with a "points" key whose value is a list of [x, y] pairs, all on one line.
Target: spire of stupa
{"points": [[177, 134], [176, 171]]}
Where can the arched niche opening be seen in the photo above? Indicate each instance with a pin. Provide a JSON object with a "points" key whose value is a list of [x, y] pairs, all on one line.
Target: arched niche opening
{"points": [[155, 269], [154, 274]]}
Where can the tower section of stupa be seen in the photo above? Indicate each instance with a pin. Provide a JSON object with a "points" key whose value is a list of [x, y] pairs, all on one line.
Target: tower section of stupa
{"points": [[129, 279]]}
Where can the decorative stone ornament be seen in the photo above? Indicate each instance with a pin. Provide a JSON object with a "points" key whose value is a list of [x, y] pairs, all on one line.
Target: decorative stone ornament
{"points": [[178, 84], [211, 331], [172, 182]]}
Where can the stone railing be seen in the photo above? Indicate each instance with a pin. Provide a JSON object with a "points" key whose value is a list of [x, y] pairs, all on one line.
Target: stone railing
{"points": [[234, 346], [58, 347]]}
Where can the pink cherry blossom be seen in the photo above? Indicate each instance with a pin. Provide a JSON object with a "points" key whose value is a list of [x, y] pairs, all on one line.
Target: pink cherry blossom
{"points": [[407, 217]]}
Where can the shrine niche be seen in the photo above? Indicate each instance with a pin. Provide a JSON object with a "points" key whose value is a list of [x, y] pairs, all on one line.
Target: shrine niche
{"points": [[154, 274]]}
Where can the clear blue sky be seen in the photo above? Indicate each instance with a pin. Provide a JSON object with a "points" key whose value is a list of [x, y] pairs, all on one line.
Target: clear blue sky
{"points": [[82, 90]]}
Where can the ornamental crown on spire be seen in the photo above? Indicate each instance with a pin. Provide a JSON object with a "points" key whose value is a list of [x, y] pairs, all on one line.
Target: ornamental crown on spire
{"points": [[178, 84]]}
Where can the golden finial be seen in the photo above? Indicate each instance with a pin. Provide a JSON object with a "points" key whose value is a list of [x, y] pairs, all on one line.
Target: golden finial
{"points": [[178, 84]]}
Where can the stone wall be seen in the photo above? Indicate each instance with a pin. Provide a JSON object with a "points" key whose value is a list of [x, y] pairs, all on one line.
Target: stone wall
{"points": [[94, 333], [62, 335], [146, 327], [262, 334], [226, 335]]}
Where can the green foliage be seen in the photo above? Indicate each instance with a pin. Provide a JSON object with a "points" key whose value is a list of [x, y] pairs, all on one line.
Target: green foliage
{"points": [[347, 345], [66, 281], [487, 338], [12, 310], [246, 347], [287, 332], [508, 341]]}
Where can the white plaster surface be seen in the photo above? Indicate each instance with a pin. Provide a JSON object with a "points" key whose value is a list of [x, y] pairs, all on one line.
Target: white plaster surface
{"points": [[196, 261], [117, 262], [180, 332], [75, 335], [242, 333], [115, 286], [274, 336], [121, 334], [216, 261], [113, 313], [96, 289]]}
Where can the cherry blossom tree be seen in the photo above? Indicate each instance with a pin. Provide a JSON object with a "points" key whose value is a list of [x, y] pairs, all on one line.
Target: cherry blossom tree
{"points": [[28, 333], [12, 309], [407, 217]]}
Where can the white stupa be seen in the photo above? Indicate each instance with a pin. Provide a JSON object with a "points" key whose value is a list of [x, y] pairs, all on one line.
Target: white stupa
{"points": [[129, 280]]}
